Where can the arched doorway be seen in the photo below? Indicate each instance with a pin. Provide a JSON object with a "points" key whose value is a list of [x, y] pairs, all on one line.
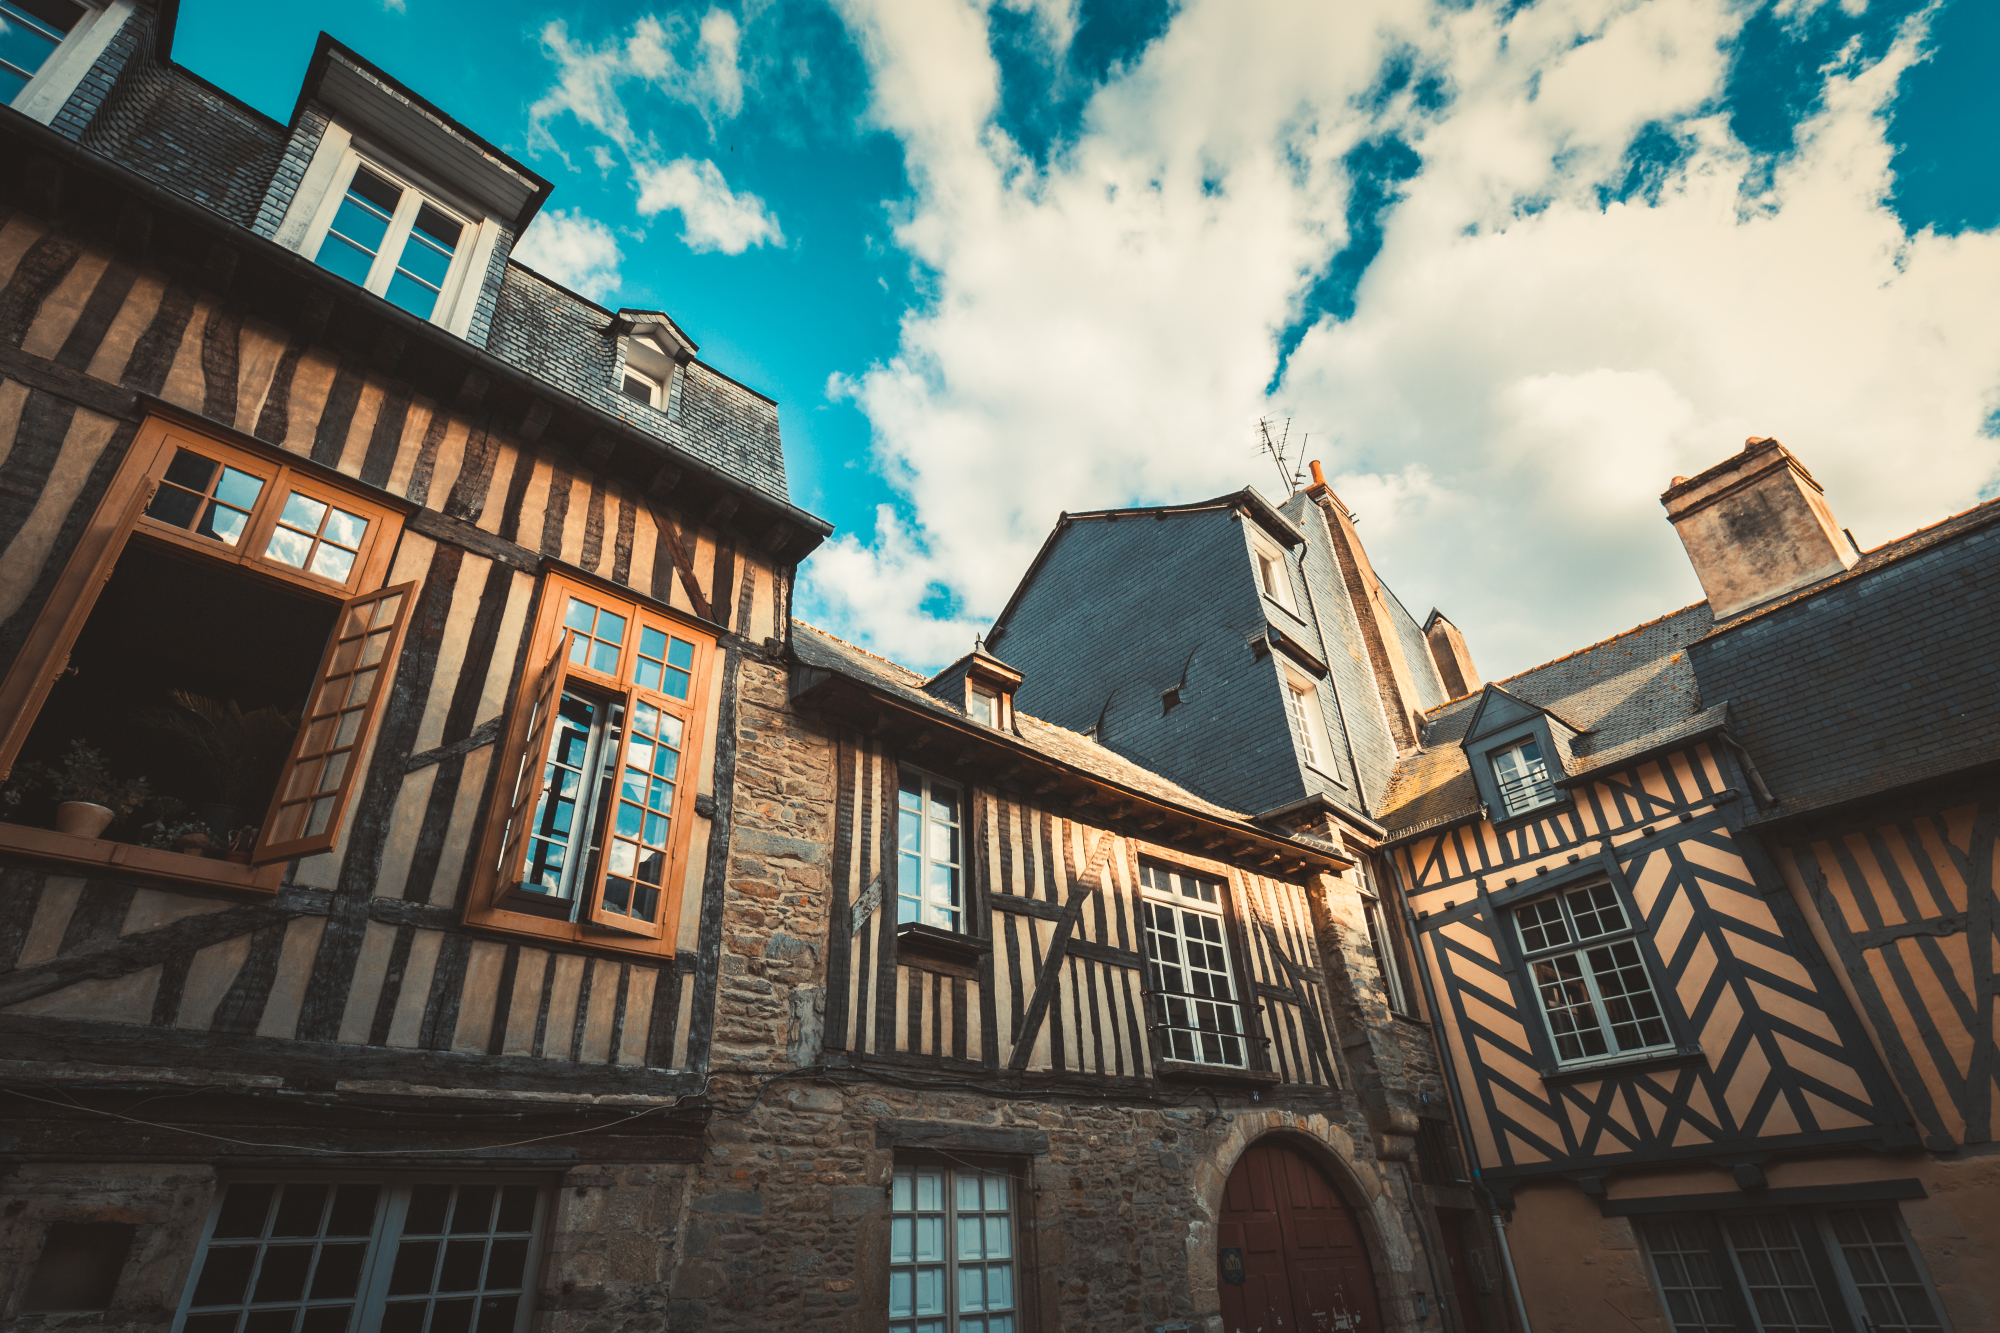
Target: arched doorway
{"points": [[1290, 1252]]}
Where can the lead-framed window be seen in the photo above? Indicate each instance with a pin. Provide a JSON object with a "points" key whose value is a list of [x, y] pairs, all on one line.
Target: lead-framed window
{"points": [[1188, 968], [593, 806], [1797, 1271], [954, 1247], [210, 571], [1591, 979], [402, 1255]]}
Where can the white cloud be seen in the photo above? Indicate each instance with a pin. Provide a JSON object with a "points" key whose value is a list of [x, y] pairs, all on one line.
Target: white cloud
{"points": [[591, 83], [1526, 367], [576, 250], [712, 217]]}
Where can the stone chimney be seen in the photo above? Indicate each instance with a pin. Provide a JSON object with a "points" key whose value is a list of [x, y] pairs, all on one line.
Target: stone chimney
{"points": [[1756, 526], [1393, 681], [1453, 658]]}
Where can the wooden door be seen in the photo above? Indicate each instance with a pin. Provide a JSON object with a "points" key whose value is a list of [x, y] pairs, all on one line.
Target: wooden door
{"points": [[1304, 1267], [1455, 1225]]}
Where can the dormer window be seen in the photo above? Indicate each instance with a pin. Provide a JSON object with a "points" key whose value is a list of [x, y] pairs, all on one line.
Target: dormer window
{"points": [[1274, 578], [1523, 777], [33, 30], [648, 374], [640, 389], [381, 231]]}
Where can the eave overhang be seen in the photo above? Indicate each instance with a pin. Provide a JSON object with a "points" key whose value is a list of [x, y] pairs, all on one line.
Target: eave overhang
{"points": [[957, 747]]}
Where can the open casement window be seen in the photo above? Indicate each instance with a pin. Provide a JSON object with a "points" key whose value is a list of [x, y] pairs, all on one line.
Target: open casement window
{"points": [[595, 800], [222, 584]]}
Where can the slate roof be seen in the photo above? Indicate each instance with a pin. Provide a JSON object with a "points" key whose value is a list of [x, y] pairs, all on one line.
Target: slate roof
{"points": [[1626, 694], [815, 647]]}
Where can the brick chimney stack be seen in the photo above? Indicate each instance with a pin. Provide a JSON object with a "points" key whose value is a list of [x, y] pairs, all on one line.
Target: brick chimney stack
{"points": [[1453, 658], [1756, 526]]}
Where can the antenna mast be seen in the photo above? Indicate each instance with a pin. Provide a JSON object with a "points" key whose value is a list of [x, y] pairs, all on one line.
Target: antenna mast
{"points": [[1290, 475]]}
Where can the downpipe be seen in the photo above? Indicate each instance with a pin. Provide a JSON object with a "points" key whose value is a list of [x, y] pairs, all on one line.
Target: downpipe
{"points": [[1458, 1111]]}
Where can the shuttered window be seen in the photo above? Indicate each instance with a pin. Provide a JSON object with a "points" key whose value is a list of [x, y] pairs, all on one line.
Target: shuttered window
{"points": [[594, 804]]}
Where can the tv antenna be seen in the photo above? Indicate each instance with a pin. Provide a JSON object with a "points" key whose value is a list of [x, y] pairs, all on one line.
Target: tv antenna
{"points": [[1291, 475]]}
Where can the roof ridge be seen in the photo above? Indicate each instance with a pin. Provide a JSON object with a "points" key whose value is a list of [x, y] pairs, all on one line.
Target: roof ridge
{"points": [[1578, 652], [1918, 532], [887, 661]]}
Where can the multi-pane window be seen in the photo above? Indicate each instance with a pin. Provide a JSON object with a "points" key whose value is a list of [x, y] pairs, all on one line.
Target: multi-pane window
{"points": [[1302, 710], [1790, 1272], [1523, 777], [1187, 967], [597, 802], [30, 32], [342, 1257], [951, 1250], [217, 580], [389, 238], [930, 868], [1589, 975]]}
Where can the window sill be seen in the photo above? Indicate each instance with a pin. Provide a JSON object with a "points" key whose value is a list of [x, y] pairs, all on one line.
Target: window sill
{"points": [[508, 920], [941, 951], [1637, 1064], [1503, 822], [145, 862], [1188, 1071]]}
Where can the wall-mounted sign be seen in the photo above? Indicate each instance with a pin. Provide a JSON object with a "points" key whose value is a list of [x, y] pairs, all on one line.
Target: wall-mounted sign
{"points": [[1232, 1266]]}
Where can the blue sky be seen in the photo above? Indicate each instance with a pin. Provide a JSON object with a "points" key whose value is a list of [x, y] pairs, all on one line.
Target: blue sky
{"points": [[1511, 266]]}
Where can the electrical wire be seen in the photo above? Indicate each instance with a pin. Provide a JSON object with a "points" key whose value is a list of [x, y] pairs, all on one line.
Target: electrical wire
{"points": [[71, 1104]]}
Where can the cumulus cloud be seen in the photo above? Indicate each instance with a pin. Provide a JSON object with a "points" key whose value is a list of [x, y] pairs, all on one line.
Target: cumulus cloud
{"points": [[712, 216], [1531, 355], [575, 249], [694, 63]]}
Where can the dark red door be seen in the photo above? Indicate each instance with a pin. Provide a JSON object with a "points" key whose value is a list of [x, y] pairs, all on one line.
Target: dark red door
{"points": [[1454, 1225], [1304, 1267]]}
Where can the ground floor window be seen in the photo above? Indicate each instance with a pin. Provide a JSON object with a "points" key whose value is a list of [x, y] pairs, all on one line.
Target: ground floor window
{"points": [[344, 1257], [1804, 1271], [952, 1250]]}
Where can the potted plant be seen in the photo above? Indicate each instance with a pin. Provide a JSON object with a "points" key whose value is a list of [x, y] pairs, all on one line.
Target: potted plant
{"points": [[174, 830], [87, 794], [239, 843], [235, 754]]}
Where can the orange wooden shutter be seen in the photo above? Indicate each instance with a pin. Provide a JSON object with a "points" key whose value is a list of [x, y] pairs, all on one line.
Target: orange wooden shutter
{"points": [[319, 778], [530, 765], [630, 889]]}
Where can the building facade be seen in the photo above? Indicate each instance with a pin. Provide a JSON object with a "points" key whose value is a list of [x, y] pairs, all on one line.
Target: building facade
{"points": [[525, 922]]}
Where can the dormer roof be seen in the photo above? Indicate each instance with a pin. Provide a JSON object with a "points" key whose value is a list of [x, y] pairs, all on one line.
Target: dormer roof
{"points": [[658, 326], [382, 110], [1498, 709]]}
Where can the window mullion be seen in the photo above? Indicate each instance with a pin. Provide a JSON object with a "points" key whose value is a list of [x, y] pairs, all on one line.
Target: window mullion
{"points": [[398, 235]]}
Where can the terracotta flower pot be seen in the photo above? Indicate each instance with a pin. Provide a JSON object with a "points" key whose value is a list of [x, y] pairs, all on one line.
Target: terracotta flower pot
{"points": [[83, 819]]}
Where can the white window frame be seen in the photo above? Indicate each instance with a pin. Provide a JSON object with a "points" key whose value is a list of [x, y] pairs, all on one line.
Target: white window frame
{"points": [[1306, 718], [1542, 792], [383, 1242], [961, 911], [1176, 894], [656, 391], [318, 199], [51, 86], [950, 1260], [1274, 575], [1579, 947]]}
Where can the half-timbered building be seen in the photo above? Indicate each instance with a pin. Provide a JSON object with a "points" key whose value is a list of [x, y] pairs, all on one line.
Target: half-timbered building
{"points": [[525, 923], [1704, 909]]}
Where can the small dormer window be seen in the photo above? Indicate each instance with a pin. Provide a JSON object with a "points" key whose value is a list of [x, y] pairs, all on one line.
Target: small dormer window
{"points": [[640, 389], [983, 705], [1274, 579], [389, 237], [1523, 777]]}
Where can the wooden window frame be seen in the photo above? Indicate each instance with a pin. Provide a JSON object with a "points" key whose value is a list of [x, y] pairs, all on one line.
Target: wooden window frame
{"points": [[120, 517], [486, 903], [1634, 932], [1235, 955], [462, 279], [1020, 1219]]}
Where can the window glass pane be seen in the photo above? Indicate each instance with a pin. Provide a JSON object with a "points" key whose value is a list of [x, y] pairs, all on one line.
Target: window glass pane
{"points": [[27, 41], [1690, 1280], [1775, 1274], [638, 390], [407, 292], [1565, 999], [1884, 1270], [1189, 971], [1596, 911], [1542, 925], [1629, 1003]]}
